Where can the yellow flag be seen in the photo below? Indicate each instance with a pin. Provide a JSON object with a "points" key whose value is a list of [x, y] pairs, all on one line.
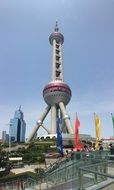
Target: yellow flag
{"points": [[98, 130], [97, 124]]}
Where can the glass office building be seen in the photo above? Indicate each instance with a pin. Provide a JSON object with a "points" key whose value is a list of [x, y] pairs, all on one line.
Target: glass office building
{"points": [[17, 127]]}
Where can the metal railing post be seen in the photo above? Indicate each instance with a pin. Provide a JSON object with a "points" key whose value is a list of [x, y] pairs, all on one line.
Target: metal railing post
{"points": [[80, 179], [47, 182], [65, 171], [95, 175], [105, 170]]}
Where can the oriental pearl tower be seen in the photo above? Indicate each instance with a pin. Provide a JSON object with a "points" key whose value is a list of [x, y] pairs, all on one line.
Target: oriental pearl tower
{"points": [[56, 93]]}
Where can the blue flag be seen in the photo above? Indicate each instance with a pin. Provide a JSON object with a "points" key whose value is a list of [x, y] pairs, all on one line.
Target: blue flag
{"points": [[59, 137]]}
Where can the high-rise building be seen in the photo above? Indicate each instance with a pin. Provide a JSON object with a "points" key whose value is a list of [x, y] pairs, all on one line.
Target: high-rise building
{"points": [[17, 127], [3, 136], [7, 138], [56, 93]]}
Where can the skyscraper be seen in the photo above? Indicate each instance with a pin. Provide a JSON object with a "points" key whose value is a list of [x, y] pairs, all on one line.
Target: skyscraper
{"points": [[17, 127], [3, 136]]}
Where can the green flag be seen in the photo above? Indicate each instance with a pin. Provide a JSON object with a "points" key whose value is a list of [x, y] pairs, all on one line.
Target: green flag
{"points": [[112, 119], [113, 122]]}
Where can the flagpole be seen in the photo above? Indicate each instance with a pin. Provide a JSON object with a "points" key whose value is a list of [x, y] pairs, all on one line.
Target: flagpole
{"points": [[94, 115], [75, 133], [95, 130], [112, 123]]}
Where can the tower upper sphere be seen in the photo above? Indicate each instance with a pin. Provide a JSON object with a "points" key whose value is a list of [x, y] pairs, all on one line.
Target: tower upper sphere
{"points": [[56, 35]]}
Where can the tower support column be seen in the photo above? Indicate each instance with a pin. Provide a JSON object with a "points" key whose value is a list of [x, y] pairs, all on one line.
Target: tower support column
{"points": [[61, 61], [54, 62], [53, 119], [66, 118], [38, 123]]}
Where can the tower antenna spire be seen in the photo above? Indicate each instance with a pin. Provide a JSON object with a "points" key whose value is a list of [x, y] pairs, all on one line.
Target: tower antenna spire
{"points": [[56, 27], [20, 107]]}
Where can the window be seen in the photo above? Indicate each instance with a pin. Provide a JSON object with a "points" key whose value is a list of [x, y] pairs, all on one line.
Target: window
{"points": [[57, 46], [57, 51], [57, 65], [57, 73], [57, 58]]}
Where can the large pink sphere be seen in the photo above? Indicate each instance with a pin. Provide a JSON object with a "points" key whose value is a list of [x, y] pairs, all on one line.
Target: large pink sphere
{"points": [[55, 92]]}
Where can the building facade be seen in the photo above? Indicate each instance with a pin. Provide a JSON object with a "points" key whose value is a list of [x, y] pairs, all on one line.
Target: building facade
{"points": [[5, 137], [17, 127]]}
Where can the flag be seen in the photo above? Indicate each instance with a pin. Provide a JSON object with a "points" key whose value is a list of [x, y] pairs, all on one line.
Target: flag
{"points": [[113, 122], [77, 126], [59, 137], [98, 130]]}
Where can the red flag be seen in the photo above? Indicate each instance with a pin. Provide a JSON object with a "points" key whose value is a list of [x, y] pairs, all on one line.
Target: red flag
{"points": [[77, 126]]}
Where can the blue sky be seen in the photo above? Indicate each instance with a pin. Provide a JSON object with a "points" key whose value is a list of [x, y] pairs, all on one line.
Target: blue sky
{"points": [[88, 58]]}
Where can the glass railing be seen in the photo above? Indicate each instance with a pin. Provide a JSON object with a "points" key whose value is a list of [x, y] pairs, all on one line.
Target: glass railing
{"points": [[67, 172], [79, 170], [20, 184]]}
